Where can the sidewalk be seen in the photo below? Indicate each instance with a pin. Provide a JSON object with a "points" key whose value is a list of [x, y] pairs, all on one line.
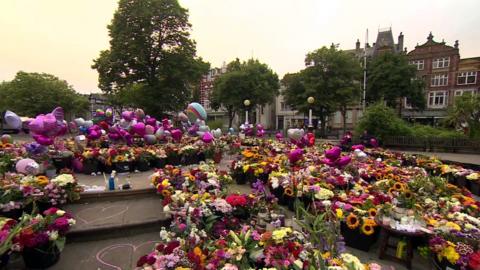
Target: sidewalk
{"points": [[454, 157]]}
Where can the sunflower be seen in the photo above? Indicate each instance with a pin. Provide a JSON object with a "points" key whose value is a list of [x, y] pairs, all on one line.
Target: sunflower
{"points": [[408, 194], [372, 212], [391, 190], [166, 193], [352, 221], [120, 158], [370, 222], [398, 186], [367, 229], [247, 153], [288, 191]]}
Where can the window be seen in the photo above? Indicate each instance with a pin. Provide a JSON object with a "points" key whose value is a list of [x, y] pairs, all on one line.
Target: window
{"points": [[441, 62], [419, 63], [406, 103], [462, 92], [439, 80], [469, 77], [337, 118], [284, 107], [349, 118], [437, 99]]}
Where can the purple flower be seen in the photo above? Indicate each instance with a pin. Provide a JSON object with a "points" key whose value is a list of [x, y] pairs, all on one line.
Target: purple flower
{"points": [[258, 187]]}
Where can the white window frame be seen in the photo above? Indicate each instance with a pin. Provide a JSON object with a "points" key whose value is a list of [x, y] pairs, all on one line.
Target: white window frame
{"points": [[442, 62], [420, 64], [439, 80], [466, 75], [432, 99], [460, 92]]}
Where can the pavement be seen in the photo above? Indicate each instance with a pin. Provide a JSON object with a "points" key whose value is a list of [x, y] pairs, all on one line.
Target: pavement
{"points": [[452, 157]]}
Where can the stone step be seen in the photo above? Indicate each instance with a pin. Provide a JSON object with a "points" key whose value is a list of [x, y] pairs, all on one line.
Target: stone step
{"points": [[116, 216]]}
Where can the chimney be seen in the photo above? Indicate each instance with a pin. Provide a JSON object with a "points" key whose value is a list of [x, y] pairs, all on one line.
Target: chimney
{"points": [[400, 42], [456, 44], [357, 45]]}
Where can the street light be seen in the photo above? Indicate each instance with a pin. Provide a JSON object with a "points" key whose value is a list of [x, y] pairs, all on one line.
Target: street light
{"points": [[246, 102], [310, 101]]}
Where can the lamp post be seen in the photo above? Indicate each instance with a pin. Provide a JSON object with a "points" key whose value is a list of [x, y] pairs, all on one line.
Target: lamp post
{"points": [[310, 101], [246, 102]]}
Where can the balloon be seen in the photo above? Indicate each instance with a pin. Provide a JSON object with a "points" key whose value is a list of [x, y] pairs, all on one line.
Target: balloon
{"points": [[373, 142], [113, 136], [139, 128], [279, 136], [59, 114], [13, 120], [127, 115], [77, 165], [196, 111], [176, 134], [150, 139], [36, 125], [27, 166], [343, 161], [207, 137], [80, 122], [159, 133], [193, 130], [328, 162], [151, 121], [333, 153], [359, 154], [217, 133], [182, 117], [149, 130], [231, 130], [42, 139], [295, 134], [62, 129], [6, 138], [49, 122], [139, 114], [360, 147], [295, 155], [88, 123]]}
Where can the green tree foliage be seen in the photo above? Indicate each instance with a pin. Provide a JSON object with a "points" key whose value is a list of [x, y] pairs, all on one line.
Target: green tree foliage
{"points": [[390, 78], [250, 80], [331, 77], [29, 94], [465, 113], [152, 54]]}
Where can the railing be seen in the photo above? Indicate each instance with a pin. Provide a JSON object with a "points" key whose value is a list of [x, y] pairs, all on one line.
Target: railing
{"points": [[433, 144]]}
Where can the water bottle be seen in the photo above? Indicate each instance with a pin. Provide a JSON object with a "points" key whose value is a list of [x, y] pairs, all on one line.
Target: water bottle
{"points": [[111, 181]]}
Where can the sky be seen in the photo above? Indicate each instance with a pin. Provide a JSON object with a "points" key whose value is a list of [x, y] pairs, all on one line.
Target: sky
{"points": [[62, 37]]}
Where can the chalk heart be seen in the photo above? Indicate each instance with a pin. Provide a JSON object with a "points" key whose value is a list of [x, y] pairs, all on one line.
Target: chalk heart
{"points": [[96, 213], [109, 256]]}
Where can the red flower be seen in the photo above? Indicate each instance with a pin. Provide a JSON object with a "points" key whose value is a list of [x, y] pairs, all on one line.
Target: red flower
{"points": [[146, 259], [50, 211], [171, 246], [474, 261], [236, 200]]}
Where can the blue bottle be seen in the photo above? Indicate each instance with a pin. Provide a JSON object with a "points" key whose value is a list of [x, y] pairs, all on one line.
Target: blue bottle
{"points": [[111, 181]]}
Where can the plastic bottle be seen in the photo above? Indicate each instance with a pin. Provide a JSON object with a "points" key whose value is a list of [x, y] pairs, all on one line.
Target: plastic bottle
{"points": [[111, 181]]}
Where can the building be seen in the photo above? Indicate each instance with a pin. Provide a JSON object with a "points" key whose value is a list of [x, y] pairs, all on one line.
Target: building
{"points": [[97, 101], [446, 76], [264, 115]]}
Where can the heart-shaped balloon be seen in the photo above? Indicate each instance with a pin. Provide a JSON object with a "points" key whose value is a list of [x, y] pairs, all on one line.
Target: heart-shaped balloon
{"points": [[295, 134], [207, 137], [333, 153], [159, 133], [27, 166], [88, 123], [176, 134], [36, 125], [139, 128], [295, 155], [217, 133], [279, 136], [343, 161], [42, 139], [149, 130], [150, 139]]}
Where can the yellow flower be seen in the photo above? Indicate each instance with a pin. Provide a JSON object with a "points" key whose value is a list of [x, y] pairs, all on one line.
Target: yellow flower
{"points": [[42, 180], [367, 229], [450, 254], [165, 183], [453, 226], [339, 213], [352, 221], [326, 255], [279, 234]]}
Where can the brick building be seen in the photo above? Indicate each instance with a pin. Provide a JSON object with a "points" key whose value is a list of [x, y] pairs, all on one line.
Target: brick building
{"points": [[445, 76]]}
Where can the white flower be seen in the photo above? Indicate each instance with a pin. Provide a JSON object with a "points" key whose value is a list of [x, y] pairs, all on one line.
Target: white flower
{"points": [[52, 235], [60, 212], [63, 179], [71, 221]]}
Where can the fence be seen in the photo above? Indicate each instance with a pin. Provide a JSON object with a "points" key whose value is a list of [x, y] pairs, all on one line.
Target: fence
{"points": [[433, 144]]}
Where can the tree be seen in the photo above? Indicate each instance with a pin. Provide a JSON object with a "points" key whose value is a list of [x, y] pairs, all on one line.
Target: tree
{"points": [[390, 78], [29, 94], [465, 114], [152, 53], [250, 80], [331, 77]]}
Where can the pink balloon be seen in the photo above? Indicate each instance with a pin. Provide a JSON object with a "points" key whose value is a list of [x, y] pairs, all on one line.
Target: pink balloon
{"points": [[358, 146], [127, 115], [139, 128], [149, 130], [49, 122], [42, 139], [36, 125], [279, 136], [328, 162], [176, 134], [151, 121], [333, 153], [207, 137], [93, 134], [150, 139], [113, 136], [26, 166], [343, 161], [59, 113], [295, 155]]}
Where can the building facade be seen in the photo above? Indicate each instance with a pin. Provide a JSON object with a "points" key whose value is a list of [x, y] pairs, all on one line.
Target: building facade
{"points": [[446, 76]]}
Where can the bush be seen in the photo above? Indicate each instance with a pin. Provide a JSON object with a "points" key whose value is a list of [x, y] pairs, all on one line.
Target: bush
{"points": [[382, 121], [215, 124]]}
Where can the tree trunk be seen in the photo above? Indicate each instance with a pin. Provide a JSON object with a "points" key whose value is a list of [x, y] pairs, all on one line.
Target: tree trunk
{"points": [[400, 108], [322, 126], [231, 115]]}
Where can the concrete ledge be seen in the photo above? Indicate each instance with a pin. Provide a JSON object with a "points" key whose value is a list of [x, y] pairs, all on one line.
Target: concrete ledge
{"points": [[115, 195]]}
